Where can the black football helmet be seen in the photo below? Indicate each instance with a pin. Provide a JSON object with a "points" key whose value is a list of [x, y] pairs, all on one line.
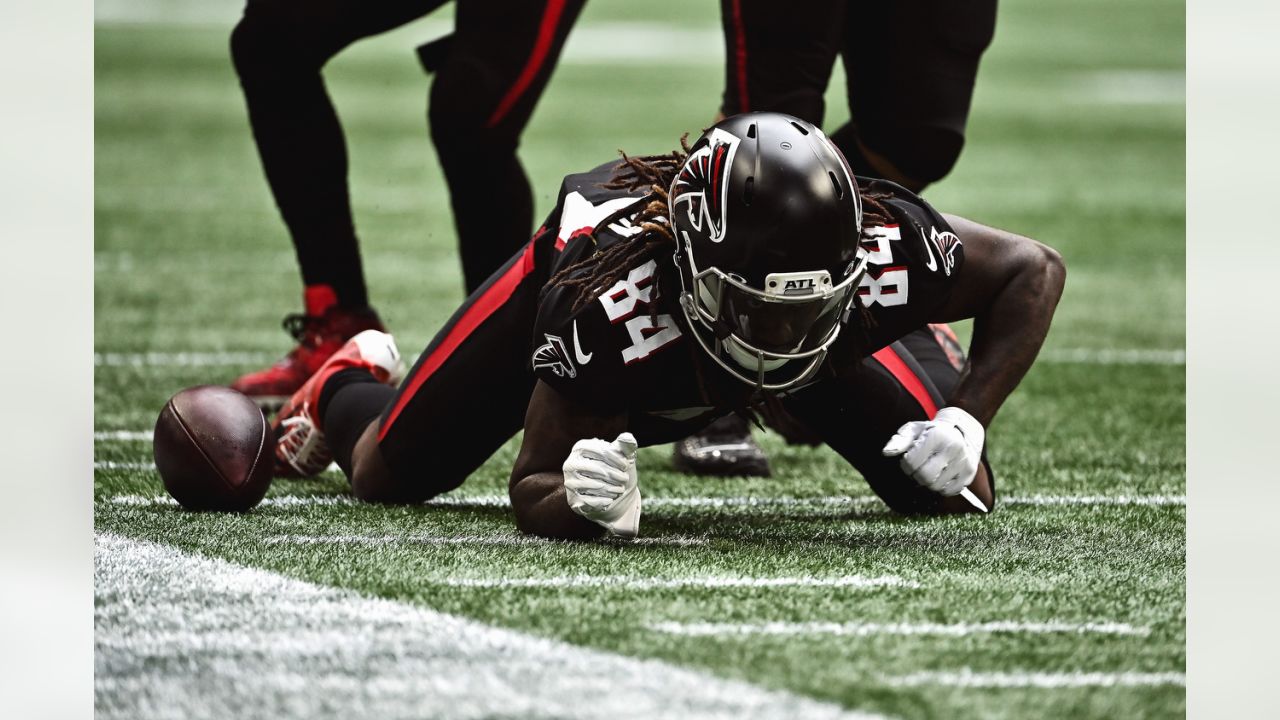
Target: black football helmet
{"points": [[767, 219]]}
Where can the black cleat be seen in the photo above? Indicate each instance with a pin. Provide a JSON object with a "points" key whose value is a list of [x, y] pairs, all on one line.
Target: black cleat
{"points": [[723, 448]]}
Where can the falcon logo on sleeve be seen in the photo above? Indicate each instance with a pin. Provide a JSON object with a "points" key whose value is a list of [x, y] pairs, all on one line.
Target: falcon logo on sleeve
{"points": [[700, 186], [946, 242], [555, 357]]}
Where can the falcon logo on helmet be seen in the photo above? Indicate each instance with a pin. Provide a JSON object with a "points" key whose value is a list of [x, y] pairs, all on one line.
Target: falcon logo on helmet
{"points": [[768, 304], [700, 186]]}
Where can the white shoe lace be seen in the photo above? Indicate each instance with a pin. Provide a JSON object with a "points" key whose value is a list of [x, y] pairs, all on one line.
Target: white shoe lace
{"points": [[303, 445]]}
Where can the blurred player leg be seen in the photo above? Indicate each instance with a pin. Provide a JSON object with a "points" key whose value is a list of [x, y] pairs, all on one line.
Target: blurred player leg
{"points": [[723, 448], [465, 397], [779, 55], [490, 78], [279, 48], [909, 380], [910, 67]]}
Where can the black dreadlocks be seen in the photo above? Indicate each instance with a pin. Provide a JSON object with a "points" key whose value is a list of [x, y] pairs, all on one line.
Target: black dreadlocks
{"points": [[597, 272]]}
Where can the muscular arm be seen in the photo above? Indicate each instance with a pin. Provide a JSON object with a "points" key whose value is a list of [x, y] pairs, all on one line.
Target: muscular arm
{"points": [[1010, 285], [552, 424]]}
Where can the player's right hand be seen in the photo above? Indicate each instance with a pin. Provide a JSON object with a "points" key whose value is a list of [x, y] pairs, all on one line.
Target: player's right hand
{"points": [[600, 483]]}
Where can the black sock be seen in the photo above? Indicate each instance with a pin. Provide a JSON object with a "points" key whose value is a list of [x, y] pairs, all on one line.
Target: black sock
{"points": [[350, 400]]}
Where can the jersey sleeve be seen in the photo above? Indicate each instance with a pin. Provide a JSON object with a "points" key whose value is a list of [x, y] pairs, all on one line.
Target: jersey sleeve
{"points": [[572, 351], [612, 353], [912, 265]]}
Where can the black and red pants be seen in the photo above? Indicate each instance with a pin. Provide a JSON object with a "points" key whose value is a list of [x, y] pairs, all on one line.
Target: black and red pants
{"points": [[487, 82], [910, 67]]}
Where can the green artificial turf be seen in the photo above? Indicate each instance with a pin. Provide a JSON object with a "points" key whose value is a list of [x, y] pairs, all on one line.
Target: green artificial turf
{"points": [[1076, 138]]}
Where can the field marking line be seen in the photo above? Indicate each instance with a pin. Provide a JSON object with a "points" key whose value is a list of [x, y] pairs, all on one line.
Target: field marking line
{"points": [[656, 583], [867, 629], [122, 435], [1117, 356], [122, 465], [499, 540], [174, 630], [491, 501], [1132, 87], [179, 359], [1064, 356], [967, 678]]}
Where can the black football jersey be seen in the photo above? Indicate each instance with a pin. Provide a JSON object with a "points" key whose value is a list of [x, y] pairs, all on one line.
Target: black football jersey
{"points": [[628, 350]]}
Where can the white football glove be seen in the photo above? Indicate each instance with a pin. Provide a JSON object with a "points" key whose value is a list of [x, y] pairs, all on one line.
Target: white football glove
{"points": [[941, 454], [600, 483]]}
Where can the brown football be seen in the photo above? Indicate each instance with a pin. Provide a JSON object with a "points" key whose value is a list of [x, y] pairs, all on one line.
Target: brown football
{"points": [[214, 449]]}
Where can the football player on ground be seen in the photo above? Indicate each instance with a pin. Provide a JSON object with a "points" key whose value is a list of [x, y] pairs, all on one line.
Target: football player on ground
{"points": [[754, 274], [489, 75], [910, 67]]}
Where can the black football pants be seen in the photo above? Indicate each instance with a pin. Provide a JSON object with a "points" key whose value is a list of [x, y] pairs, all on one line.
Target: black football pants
{"points": [[486, 86], [910, 66]]}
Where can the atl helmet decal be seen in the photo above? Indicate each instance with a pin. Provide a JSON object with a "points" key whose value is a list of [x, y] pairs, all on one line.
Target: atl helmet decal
{"points": [[702, 182]]}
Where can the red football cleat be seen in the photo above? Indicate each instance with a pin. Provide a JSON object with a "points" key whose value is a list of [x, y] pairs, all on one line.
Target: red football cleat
{"points": [[320, 332], [301, 450]]}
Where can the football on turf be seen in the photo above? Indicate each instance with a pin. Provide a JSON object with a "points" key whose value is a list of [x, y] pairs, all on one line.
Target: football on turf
{"points": [[214, 449]]}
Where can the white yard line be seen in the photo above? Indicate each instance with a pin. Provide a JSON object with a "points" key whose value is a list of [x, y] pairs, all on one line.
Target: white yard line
{"points": [[122, 436], [180, 359], [423, 539], [118, 465], [1039, 680], [1066, 356], [657, 583], [174, 632], [867, 629], [1133, 87], [843, 501], [1114, 356], [286, 501]]}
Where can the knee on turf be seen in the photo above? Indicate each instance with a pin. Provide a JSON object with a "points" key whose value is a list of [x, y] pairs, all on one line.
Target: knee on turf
{"points": [[932, 505], [373, 481], [905, 497]]}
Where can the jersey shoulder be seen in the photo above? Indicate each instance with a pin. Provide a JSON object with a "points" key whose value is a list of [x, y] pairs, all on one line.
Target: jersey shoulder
{"points": [[584, 203], [912, 262], [612, 351]]}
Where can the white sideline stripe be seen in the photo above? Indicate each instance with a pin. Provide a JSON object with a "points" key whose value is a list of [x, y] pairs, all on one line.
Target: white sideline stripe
{"points": [[651, 583], [1134, 87], [122, 435], [1134, 356], [117, 465], [1041, 680], [864, 629], [286, 501], [173, 631], [421, 539], [181, 359], [1067, 356]]}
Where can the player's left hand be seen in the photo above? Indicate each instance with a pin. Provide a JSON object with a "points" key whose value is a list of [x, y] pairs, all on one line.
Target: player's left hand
{"points": [[600, 483], [941, 454]]}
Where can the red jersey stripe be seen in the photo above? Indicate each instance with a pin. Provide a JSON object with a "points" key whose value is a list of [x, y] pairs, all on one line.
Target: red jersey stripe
{"points": [[541, 46], [901, 372], [481, 308], [740, 57]]}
